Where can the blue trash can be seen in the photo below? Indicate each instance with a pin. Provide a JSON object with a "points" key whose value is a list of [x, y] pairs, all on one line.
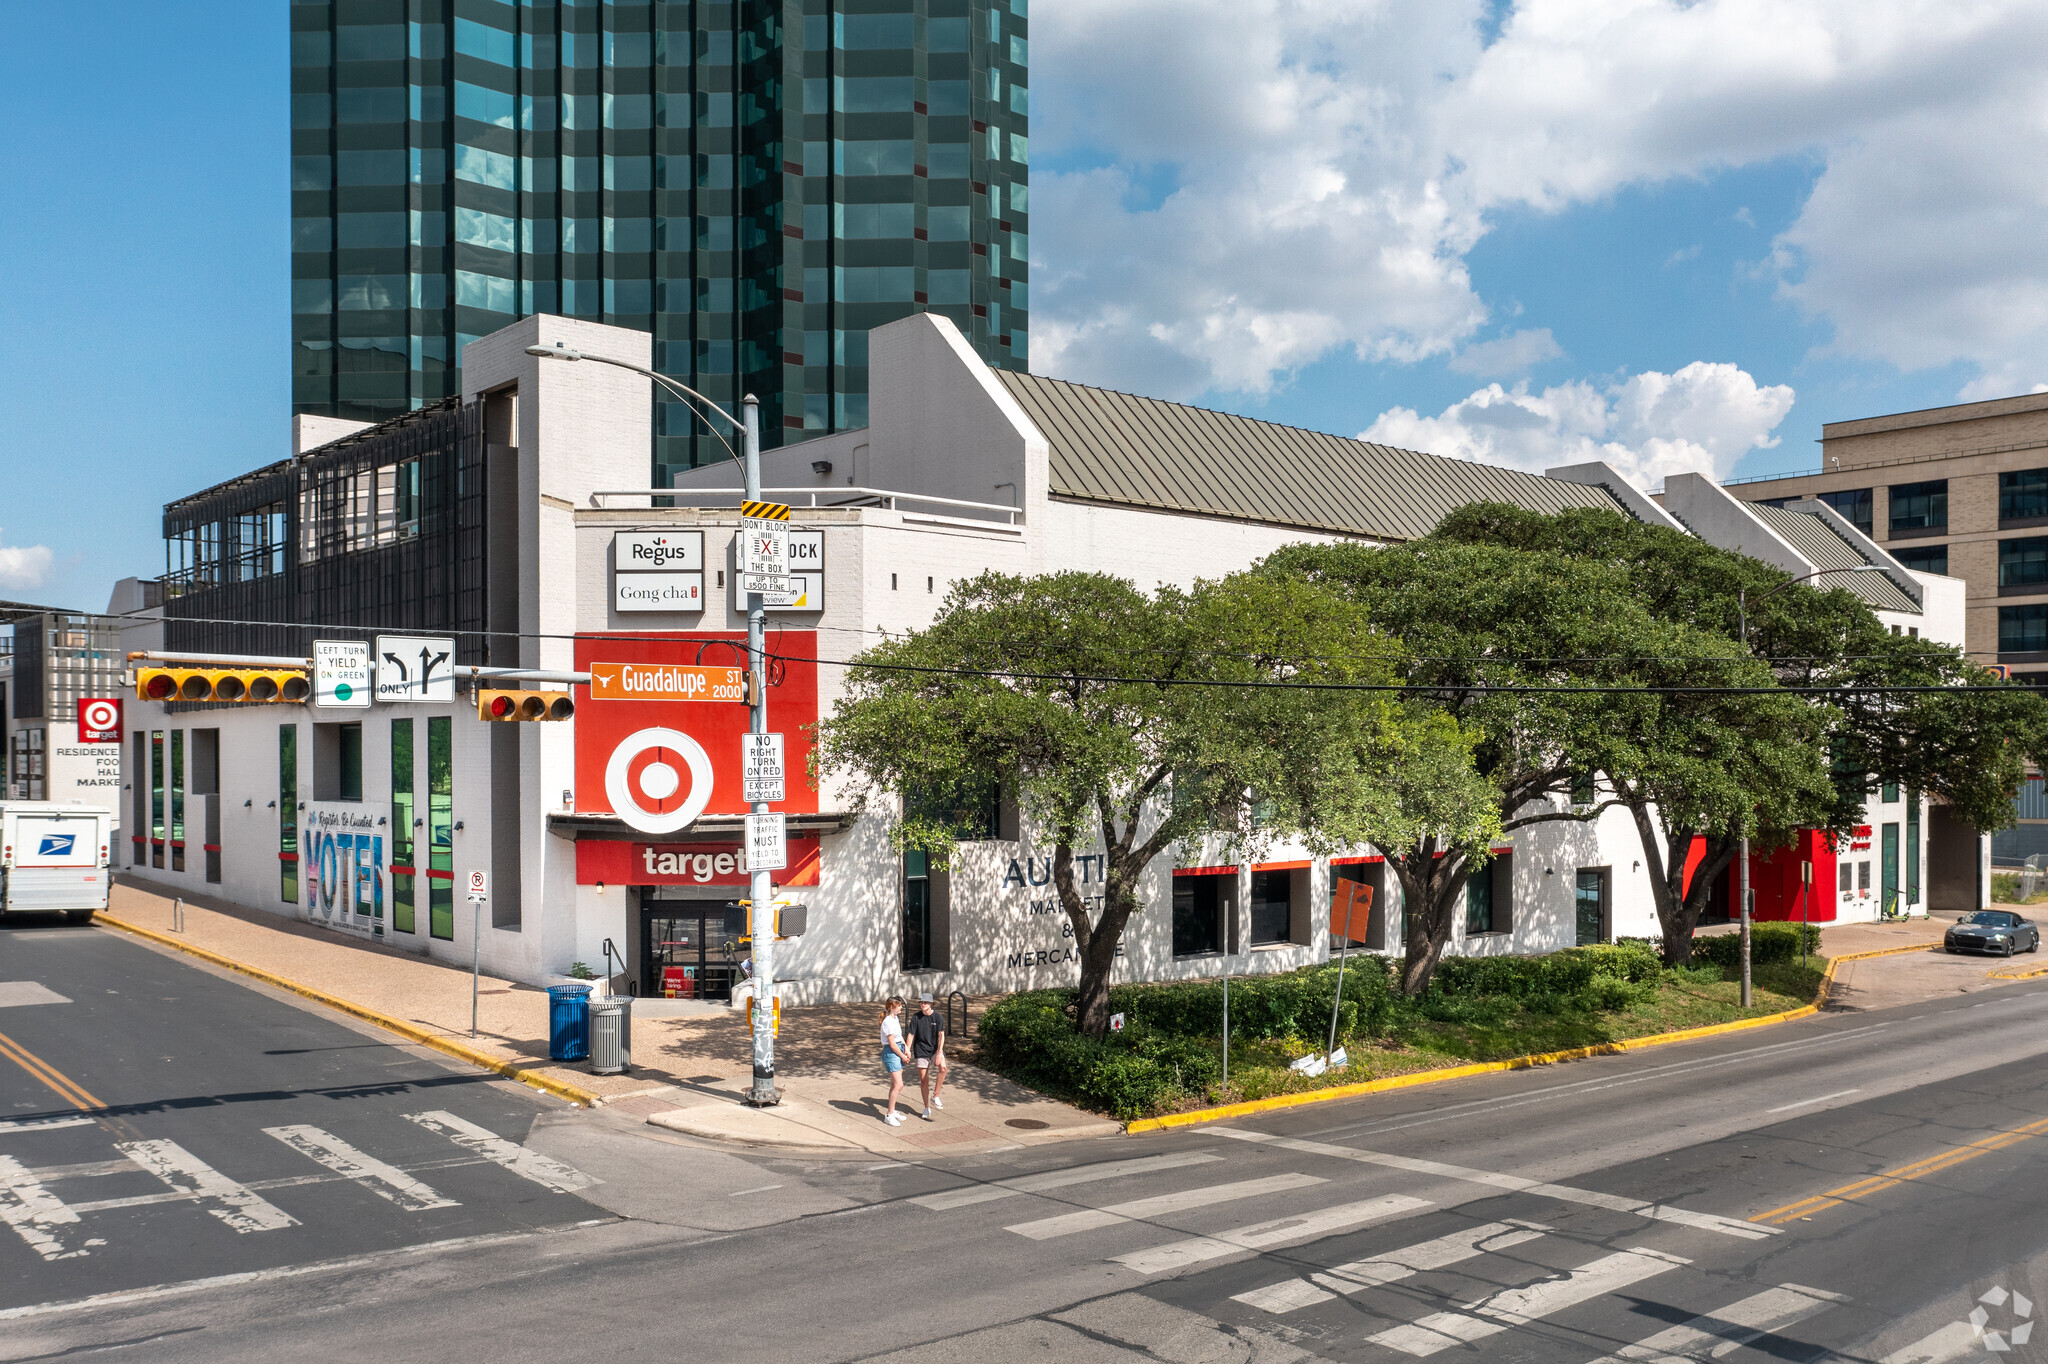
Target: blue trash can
{"points": [[568, 1022]]}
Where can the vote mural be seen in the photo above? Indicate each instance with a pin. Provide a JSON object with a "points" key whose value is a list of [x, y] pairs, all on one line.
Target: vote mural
{"points": [[345, 851]]}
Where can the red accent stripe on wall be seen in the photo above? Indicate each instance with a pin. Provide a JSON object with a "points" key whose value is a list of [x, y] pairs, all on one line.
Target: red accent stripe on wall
{"points": [[1282, 866], [1205, 871], [287, 857], [1353, 861], [441, 875], [210, 847], [397, 870]]}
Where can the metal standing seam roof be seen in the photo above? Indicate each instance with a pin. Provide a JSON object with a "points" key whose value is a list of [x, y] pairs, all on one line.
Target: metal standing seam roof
{"points": [[1818, 543], [1145, 452]]}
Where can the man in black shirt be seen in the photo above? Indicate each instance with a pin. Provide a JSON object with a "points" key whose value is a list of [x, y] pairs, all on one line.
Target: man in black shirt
{"points": [[928, 1049]]}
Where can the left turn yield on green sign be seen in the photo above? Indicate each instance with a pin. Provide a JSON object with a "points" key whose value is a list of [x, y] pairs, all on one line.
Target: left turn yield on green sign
{"points": [[341, 674]]}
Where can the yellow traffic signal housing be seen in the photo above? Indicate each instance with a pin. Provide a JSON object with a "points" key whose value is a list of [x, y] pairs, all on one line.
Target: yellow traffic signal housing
{"points": [[493, 703], [222, 684]]}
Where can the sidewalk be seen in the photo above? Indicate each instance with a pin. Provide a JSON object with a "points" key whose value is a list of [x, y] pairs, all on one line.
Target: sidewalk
{"points": [[690, 1073]]}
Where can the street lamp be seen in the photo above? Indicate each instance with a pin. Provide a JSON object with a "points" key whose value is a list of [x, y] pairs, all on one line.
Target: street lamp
{"points": [[762, 927], [1742, 621]]}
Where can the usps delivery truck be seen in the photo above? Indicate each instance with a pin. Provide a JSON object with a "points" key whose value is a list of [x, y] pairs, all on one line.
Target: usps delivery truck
{"points": [[53, 858]]}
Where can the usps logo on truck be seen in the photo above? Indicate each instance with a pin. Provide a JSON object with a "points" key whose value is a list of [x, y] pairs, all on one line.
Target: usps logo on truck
{"points": [[56, 845]]}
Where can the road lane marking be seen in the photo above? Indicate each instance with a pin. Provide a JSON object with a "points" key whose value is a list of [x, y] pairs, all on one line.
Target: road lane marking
{"points": [[1817, 1099], [239, 1207], [1057, 1179], [73, 1093], [123, 1297], [386, 1181], [1088, 1219], [1424, 1117], [44, 1124], [1392, 1266], [33, 1211], [741, 1193], [1891, 1179], [542, 1170], [1265, 1235], [1726, 1329], [1563, 1193], [1522, 1306]]}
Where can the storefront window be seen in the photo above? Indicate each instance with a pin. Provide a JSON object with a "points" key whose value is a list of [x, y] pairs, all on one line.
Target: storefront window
{"points": [[177, 800], [1197, 915], [402, 873], [288, 813], [1479, 901], [1272, 906], [1912, 847], [441, 828], [917, 911], [156, 799]]}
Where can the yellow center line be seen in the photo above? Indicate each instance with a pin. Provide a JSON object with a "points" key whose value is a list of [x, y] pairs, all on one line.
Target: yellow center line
{"points": [[73, 1093], [1891, 1179]]}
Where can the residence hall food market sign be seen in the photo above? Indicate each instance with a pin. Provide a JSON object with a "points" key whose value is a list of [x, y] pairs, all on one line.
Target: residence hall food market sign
{"points": [[659, 725]]}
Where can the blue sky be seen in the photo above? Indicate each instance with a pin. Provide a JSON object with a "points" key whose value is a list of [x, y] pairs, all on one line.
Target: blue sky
{"points": [[1677, 235]]}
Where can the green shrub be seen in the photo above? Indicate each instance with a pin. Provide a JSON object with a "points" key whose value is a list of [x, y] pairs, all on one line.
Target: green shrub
{"points": [[1773, 942], [1129, 1074]]}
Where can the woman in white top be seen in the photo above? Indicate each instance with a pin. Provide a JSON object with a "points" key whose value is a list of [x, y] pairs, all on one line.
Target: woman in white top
{"points": [[893, 1055]]}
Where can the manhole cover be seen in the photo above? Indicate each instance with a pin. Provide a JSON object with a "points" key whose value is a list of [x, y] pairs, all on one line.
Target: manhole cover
{"points": [[1028, 1124]]}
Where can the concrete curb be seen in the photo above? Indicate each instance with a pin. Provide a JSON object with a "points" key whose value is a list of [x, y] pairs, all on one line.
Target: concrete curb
{"points": [[411, 1032], [1431, 1077]]}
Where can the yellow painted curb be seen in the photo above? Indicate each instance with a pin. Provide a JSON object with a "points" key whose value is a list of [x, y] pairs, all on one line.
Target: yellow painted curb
{"points": [[1430, 1077], [2015, 973], [483, 1060]]}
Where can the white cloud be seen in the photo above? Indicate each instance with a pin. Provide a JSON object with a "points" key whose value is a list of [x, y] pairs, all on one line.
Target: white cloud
{"points": [[1510, 354], [1649, 426], [25, 566], [1330, 163]]}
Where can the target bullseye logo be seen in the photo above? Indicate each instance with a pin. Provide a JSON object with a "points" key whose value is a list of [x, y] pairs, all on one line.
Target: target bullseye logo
{"points": [[646, 784], [99, 720]]}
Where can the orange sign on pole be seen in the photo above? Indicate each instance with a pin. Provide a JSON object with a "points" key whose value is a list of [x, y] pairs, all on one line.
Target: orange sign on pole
{"points": [[665, 682], [1350, 909]]}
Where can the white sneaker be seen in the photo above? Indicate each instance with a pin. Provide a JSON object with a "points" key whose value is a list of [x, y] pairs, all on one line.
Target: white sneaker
{"points": [[894, 1120], [927, 1115], [937, 1102]]}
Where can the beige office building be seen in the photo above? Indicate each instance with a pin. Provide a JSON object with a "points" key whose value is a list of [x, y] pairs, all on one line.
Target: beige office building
{"points": [[1963, 491], [1957, 490]]}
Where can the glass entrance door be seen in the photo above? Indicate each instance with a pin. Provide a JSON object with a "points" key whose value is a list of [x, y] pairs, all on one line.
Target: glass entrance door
{"points": [[1592, 906], [691, 950], [1890, 885]]}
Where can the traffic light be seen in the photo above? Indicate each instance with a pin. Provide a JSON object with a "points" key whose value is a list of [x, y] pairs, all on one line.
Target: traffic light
{"points": [[222, 684], [493, 703]]}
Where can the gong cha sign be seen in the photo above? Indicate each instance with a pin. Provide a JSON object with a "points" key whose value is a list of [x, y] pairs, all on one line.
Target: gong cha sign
{"points": [[658, 726]]}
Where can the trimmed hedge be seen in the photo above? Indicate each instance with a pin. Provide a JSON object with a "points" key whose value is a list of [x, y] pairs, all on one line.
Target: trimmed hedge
{"points": [[1564, 974], [1128, 1074], [1772, 942]]}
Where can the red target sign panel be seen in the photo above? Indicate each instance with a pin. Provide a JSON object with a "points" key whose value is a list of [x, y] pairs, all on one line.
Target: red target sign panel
{"points": [[658, 728], [99, 719]]}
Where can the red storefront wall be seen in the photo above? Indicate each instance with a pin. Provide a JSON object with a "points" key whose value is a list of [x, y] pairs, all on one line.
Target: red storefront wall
{"points": [[1775, 877]]}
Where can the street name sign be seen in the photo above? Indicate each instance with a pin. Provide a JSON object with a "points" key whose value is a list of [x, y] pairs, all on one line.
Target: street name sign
{"points": [[341, 674], [761, 766], [767, 843], [415, 668]]}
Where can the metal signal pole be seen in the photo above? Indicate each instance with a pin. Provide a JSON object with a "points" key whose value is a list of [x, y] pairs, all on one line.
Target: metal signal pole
{"points": [[761, 913]]}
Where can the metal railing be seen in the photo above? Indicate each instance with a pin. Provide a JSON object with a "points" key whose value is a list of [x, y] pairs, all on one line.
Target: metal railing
{"points": [[841, 496]]}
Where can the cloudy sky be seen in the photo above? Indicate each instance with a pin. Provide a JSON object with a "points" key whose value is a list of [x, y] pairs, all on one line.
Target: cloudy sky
{"points": [[1672, 234]]}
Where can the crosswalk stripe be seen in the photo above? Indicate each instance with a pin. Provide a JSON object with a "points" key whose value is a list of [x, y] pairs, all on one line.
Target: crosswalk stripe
{"points": [[386, 1181], [44, 1124], [1057, 1179], [1394, 1265], [1088, 1219], [1265, 1235], [32, 1210], [233, 1204], [1564, 1193], [1717, 1332], [542, 1170], [1520, 1306]]}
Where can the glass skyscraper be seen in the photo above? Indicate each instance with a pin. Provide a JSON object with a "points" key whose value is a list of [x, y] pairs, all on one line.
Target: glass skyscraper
{"points": [[755, 182]]}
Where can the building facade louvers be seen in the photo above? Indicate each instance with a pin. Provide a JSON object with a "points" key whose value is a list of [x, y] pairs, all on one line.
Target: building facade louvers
{"points": [[756, 184]]}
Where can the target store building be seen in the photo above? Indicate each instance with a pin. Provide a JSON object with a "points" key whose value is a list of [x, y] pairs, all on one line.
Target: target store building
{"points": [[515, 526]]}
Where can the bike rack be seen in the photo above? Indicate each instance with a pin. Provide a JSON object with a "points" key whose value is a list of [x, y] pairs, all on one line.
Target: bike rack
{"points": [[612, 954], [961, 1032]]}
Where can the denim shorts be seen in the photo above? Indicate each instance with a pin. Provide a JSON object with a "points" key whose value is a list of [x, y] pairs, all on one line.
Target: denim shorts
{"points": [[891, 1062]]}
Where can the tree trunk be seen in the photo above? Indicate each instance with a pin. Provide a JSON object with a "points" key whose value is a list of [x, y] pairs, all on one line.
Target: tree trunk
{"points": [[1679, 904], [1095, 943], [1429, 894]]}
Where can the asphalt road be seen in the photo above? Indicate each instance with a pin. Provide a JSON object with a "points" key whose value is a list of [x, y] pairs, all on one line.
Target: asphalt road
{"points": [[270, 1182]]}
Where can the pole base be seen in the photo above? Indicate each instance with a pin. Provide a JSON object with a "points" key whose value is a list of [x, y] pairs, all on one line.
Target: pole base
{"points": [[767, 1098]]}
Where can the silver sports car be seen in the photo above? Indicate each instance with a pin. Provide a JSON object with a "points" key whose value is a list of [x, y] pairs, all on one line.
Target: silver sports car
{"points": [[1993, 930]]}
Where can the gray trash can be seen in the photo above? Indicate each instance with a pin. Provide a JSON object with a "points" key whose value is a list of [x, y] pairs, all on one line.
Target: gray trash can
{"points": [[611, 1035]]}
